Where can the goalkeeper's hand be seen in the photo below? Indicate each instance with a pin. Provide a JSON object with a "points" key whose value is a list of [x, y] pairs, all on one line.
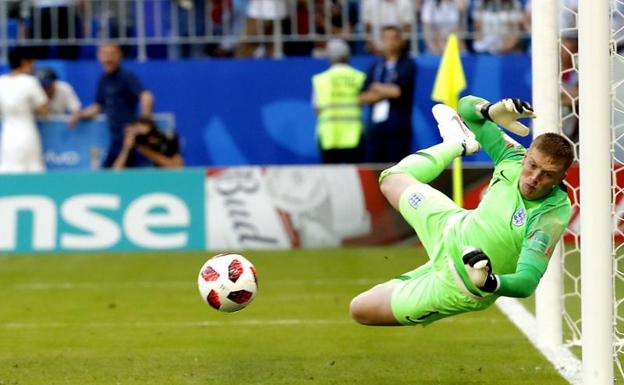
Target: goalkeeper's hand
{"points": [[479, 270], [506, 113]]}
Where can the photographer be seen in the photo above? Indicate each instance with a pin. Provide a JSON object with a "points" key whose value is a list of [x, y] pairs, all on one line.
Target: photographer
{"points": [[145, 145]]}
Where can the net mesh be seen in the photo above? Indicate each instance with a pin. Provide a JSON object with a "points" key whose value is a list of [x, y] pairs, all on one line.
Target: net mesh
{"points": [[569, 126]]}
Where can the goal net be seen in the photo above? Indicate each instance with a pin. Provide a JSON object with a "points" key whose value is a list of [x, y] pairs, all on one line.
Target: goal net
{"points": [[581, 306]]}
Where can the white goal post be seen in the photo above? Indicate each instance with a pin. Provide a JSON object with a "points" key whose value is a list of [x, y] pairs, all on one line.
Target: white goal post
{"points": [[598, 267]]}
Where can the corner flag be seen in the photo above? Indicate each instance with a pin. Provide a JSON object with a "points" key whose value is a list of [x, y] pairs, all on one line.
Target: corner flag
{"points": [[449, 83], [450, 80]]}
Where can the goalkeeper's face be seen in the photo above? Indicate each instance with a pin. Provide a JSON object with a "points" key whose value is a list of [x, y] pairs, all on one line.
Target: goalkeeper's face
{"points": [[540, 172]]}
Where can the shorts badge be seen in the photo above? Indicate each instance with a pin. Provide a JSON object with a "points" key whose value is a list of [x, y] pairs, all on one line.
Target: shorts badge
{"points": [[519, 217], [416, 199]]}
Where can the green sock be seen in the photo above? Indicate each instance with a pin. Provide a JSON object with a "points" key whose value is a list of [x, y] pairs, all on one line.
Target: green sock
{"points": [[425, 165]]}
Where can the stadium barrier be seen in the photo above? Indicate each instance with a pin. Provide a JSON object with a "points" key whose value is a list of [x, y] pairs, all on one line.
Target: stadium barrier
{"points": [[224, 121], [84, 146], [234, 208]]}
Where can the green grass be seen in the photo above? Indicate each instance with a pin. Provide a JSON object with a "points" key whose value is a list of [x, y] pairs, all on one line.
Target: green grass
{"points": [[138, 319]]}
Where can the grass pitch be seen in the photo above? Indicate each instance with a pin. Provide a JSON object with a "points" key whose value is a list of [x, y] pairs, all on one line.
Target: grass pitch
{"points": [[138, 319]]}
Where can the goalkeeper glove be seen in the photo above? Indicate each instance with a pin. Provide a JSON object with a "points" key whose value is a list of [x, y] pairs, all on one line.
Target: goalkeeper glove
{"points": [[506, 113], [479, 270]]}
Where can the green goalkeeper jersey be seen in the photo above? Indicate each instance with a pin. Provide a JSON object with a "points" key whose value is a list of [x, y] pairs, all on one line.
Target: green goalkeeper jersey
{"points": [[517, 234]]}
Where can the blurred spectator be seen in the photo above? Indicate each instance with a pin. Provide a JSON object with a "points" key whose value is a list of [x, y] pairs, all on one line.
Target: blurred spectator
{"points": [[497, 26], [439, 19], [262, 17], [327, 17], [569, 86], [56, 19], [61, 95], [112, 19], [21, 97], [376, 14], [617, 24], [232, 26], [336, 104], [144, 145], [191, 22], [118, 93], [568, 10], [389, 88]]}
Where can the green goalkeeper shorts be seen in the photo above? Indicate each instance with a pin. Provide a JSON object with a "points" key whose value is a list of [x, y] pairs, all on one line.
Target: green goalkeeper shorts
{"points": [[429, 293], [434, 290]]}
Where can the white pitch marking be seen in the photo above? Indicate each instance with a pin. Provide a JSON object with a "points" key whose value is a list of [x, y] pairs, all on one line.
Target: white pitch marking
{"points": [[251, 322], [566, 363], [177, 284]]}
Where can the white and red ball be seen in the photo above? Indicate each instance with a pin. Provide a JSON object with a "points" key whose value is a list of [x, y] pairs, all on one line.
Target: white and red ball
{"points": [[227, 282]]}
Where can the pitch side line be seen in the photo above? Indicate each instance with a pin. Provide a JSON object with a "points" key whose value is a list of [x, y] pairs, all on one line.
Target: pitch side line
{"points": [[566, 363], [252, 322], [178, 284]]}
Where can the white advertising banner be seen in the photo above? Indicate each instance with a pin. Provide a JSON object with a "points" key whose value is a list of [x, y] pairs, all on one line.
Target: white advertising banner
{"points": [[285, 207]]}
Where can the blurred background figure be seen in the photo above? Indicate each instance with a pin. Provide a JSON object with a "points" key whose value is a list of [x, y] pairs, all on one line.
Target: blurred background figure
{"points": [[191, 22], [376, 14], [262, 18], [389, 89], [497, 26], [145, 145], [119, 92], [336, 104], [21, 99], [61, 95], [56, 19], [568, 9], [439, 19]]}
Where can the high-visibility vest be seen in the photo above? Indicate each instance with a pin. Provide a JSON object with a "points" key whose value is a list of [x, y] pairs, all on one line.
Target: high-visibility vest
{"points": [[339, 121]]}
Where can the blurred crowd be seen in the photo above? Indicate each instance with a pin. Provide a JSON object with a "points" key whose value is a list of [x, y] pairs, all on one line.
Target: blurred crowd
{"points": [[252, 28], [28, 92], [335, 29]]}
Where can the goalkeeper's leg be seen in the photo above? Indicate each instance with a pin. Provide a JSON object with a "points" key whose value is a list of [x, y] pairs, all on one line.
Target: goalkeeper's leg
{"points": [[421, 167]]}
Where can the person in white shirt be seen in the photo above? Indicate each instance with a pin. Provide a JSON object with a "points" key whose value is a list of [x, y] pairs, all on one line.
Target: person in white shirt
{"points": [[498, 26], [21, 98], [63, 99], [377, 14], [262, 16], [439, 19]]}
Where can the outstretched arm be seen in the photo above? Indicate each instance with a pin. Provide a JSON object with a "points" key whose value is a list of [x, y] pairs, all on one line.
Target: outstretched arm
{"points": [[498, 145]]}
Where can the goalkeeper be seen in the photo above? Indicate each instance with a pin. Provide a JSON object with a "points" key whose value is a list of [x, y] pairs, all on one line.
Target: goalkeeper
{"points": [[502, 247]]}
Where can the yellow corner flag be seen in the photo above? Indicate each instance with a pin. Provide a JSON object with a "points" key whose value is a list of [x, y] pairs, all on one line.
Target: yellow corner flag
{"points": [[449, 83], [450, 80]]}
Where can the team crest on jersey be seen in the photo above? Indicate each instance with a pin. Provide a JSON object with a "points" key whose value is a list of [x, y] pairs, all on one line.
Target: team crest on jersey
{"points": [[416, 199], [519, 217]]}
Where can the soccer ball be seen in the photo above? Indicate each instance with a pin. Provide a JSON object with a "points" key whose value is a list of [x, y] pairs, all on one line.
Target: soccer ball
{"points": [[227, 282]]}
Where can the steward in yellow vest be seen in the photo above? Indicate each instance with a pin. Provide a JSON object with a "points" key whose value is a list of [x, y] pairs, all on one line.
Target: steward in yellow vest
{"points": [[336, 103]]}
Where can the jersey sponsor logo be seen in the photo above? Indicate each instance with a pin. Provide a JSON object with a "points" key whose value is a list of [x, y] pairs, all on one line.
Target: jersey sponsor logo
{"points": [[519, 217], [540, 242], [416, 199], [503, 175]]}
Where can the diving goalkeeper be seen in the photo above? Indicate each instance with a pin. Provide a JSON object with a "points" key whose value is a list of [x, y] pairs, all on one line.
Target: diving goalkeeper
{"points": [[502, 247]]}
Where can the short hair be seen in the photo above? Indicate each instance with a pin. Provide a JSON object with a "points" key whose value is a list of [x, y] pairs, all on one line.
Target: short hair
{"points": [[19, 54], [147, 121], [46, 76], [392, 27], [338, 51], [112, 44], [556, 146]]}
